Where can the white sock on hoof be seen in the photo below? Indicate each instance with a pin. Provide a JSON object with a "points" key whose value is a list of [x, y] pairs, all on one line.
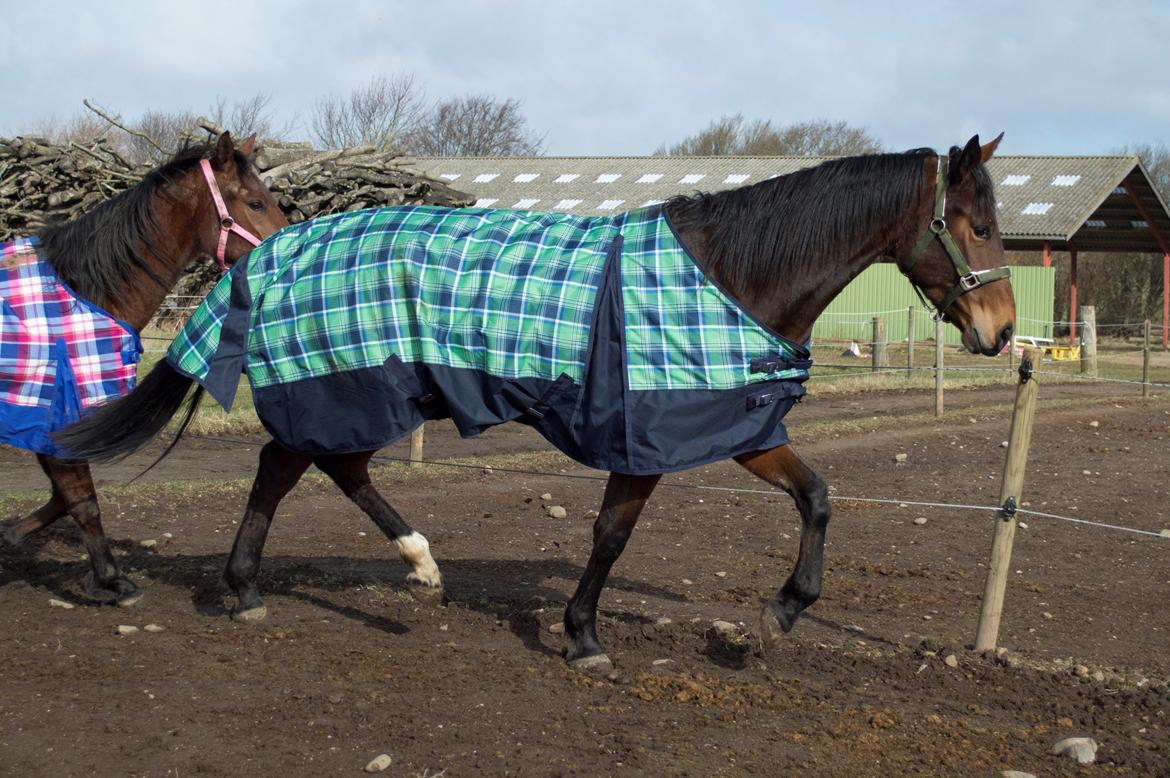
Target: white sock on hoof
{"points": [[416, 552]]}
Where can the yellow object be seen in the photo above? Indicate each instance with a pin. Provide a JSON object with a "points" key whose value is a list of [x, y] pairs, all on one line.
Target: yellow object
{"points": [[1064, 353]]}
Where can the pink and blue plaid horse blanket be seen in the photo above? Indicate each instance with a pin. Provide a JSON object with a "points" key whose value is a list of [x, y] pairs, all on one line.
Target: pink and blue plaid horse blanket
{"points": [[60, 355]]}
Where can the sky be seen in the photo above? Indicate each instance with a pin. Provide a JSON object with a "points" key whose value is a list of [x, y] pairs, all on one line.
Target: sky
{"points": [[623, 78]]}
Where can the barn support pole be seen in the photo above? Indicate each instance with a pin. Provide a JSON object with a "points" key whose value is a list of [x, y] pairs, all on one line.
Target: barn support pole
{"points": [[1072, 296], [1047, 257], [1015, 465]]}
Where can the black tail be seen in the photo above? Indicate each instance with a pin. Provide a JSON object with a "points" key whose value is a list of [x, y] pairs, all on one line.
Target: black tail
{"points": [[126, 425]]}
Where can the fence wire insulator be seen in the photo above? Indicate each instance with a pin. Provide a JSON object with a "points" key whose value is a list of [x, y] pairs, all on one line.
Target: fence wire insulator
{"points": [[1008, 510], [1025, 370]]}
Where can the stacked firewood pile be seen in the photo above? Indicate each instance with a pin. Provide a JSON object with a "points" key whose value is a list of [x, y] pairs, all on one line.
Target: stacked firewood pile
{"points": [[43, 182]]}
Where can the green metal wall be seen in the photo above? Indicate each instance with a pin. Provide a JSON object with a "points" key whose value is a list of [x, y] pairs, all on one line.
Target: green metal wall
{"points": [[882, 291]]}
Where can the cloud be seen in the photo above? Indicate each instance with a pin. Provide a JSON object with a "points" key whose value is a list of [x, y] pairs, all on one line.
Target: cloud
{"points": [[609, 77]]}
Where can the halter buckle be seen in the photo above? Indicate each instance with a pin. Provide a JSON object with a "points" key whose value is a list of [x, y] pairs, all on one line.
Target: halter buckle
{"points": [[938, 225], [227, 222], [969, 282]]}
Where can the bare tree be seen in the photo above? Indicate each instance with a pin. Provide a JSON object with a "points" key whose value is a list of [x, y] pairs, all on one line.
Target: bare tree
{"points": [[1125, 287], [475, 125], [82, 128], [734, 135], [248, 116], [168, 129], [379, 114]]}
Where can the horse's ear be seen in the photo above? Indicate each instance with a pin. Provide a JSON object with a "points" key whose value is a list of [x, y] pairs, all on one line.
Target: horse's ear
{"points": [[249, 145], [970, 158], [986, 151], [224, 151]]}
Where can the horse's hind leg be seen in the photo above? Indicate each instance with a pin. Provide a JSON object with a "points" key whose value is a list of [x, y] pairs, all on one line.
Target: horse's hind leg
{"points": [[277, 473], [783, 468], [105, 582], [625, 496], [351, 473], [15, 531]]}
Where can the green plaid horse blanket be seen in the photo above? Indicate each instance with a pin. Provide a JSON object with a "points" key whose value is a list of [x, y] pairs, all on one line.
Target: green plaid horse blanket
{"points": [[601, 332]]}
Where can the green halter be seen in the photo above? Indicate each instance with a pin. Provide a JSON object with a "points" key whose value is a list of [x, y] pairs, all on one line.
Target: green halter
{"points": [[968, 279]]}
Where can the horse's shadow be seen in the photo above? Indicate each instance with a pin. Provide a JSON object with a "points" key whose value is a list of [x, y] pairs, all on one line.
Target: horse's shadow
{"points": [[511, 591]]}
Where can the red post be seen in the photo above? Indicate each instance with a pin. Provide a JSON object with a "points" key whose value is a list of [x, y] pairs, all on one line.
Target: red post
{"points": [[1165, 301], [1072, 296], [1047, 254]]}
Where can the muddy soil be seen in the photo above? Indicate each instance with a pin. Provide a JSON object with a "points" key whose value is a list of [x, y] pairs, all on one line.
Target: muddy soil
{"points": [[348, 665]]}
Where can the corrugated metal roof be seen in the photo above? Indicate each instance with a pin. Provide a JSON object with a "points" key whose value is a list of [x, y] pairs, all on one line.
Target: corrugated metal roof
{"points": [[1083, 200]]}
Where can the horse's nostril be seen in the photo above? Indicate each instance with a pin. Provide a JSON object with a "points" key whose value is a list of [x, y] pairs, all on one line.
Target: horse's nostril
{"points": [[1005, 336]]}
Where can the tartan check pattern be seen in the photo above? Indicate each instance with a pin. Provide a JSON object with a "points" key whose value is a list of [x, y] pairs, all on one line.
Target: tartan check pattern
{"points": [[42, 322], [508, 293], [682, 330]]}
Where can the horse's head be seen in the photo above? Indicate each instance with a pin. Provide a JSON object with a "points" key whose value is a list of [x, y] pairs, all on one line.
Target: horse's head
{"points": [[242, 210], [953, 252]]}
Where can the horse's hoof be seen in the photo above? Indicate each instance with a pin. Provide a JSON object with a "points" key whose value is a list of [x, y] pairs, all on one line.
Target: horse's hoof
{"points": [[425, 593], [130, 599], [120, 591], [598, 664], [251, 615], [8, 536], [771, 628]]}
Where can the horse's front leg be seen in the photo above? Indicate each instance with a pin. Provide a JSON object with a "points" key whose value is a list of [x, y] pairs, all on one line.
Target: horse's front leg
{"points": [[625, 496], [783, 468]]}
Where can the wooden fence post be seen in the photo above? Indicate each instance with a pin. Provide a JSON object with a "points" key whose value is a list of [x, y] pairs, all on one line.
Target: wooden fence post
{"points": [[1089, 340], [881, 354], [1146, 360], [1009, 496], [909, 341], [416, 446], [938, 367]]}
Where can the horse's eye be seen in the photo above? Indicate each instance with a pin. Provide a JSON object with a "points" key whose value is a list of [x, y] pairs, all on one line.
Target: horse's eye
{"points": [[256, 205], [983, 233]]}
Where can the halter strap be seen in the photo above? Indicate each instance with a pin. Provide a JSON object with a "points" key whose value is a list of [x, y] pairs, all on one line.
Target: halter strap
{"points": [[226, 223], [937, 229]]}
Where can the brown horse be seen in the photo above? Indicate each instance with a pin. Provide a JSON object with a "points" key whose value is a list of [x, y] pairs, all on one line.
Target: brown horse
{"points": [[125, 256], [781, 249]]}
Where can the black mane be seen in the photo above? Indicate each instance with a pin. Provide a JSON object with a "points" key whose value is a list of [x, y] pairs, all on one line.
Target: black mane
{"points": [[100, 253], [792, 223]]}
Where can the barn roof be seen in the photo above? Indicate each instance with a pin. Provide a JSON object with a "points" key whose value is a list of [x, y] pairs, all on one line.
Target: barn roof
{"points": [[1104, 203]]}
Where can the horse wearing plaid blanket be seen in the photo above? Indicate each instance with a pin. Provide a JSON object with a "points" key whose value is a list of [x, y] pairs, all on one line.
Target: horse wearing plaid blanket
{"points": [[641, 343], [73, 298]]}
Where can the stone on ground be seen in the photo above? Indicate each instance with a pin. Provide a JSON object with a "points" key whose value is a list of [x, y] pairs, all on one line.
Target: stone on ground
{"points": [[557, 512], [126, 629], [378, 763], [154, 628], [1082, 749], [55, 603]]}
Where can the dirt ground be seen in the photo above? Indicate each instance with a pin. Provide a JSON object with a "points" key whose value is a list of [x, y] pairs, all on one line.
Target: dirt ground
{"points": [[348, 665]]}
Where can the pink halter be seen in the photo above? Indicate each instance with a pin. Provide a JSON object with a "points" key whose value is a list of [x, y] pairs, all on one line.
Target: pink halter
{"points": [[226, 222]]}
